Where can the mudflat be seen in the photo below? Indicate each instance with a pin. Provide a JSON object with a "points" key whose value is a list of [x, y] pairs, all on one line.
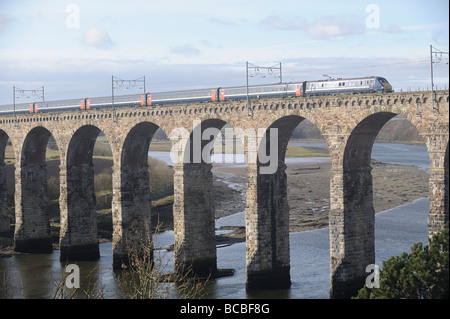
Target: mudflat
{"points": [[309, 191]]}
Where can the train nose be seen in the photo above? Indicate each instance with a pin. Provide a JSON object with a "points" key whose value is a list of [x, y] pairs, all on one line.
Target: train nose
{"points": [[386, 87]]}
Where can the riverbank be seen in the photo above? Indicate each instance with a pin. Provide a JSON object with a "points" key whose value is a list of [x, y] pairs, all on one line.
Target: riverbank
{"points": [[309, 189]]}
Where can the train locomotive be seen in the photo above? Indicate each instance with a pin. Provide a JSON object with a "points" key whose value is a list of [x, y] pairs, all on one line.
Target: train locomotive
{"points": [[372, 84]]}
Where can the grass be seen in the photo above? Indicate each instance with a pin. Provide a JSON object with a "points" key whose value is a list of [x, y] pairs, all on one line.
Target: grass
{"points": [[298, 151], [160, 146], [9, 156], [292, 150], [168, 200]]}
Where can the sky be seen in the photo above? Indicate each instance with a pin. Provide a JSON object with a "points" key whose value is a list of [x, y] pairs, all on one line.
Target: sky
{"points": [[74, 48]]}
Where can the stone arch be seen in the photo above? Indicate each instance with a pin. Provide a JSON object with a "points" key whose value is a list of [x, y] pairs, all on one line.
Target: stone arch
{"points": [[194, 208], [132, 202], [78, 235], [359, 145], [32, 233], [189, 147], [267, 212], [357, 214]]}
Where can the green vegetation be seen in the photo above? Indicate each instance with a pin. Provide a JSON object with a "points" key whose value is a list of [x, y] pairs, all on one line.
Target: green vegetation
{"points": [[298, 151], [9, 155], [399, 130], [421, 274], [306, 130], [168, 200], [292, 150], [160, 146]]}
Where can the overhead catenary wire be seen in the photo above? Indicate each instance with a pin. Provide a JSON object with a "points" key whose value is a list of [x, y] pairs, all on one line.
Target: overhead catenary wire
{"points": [[298, 70]]}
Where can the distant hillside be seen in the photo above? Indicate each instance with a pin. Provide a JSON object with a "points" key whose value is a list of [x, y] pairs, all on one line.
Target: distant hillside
{"points": [[399, 130], [307, 130], [396, 130]]}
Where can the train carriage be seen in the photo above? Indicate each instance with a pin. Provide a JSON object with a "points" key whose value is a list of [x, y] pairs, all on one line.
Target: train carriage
{"points": [[19, 108], [345, 86], [200, 95], [373, 84], [260, 91]]}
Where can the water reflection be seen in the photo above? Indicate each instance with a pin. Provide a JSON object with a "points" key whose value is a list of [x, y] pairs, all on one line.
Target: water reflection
{"points": [[37, 275]]}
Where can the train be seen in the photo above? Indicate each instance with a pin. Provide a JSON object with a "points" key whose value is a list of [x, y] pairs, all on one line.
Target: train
{"points": [[371, 84]]}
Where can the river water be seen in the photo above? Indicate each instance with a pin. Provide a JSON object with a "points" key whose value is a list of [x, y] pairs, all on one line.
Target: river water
{"points": [[35, 275]]}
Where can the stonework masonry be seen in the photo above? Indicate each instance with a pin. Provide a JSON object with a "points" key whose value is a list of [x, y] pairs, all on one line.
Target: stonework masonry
{"points": [[348, 123]]}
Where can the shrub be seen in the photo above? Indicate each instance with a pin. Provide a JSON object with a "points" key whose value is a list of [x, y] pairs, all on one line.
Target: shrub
{"points": [[161, 178], [421, 274]]}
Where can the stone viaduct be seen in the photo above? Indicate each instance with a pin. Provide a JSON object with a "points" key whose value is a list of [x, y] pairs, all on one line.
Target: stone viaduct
{"points": [[349, 124]]}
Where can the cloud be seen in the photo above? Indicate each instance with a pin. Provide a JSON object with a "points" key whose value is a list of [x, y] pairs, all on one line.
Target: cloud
{"points": [[392, 29], [185, 49], [97, 38], [321, 28], [335, 26], [275, 22]]}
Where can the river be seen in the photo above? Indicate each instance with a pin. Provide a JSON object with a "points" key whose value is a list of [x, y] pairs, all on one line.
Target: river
{"points": [[35, 275]]}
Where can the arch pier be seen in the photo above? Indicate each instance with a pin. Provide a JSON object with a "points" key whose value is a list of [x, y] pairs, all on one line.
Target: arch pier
{"points": [[32, 230], [4, 219]]}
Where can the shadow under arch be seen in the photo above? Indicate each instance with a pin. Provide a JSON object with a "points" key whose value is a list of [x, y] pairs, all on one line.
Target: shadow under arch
{"points": [[4, 203], [446, 184], [131, 208], [32, 231], [78, 233]]}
